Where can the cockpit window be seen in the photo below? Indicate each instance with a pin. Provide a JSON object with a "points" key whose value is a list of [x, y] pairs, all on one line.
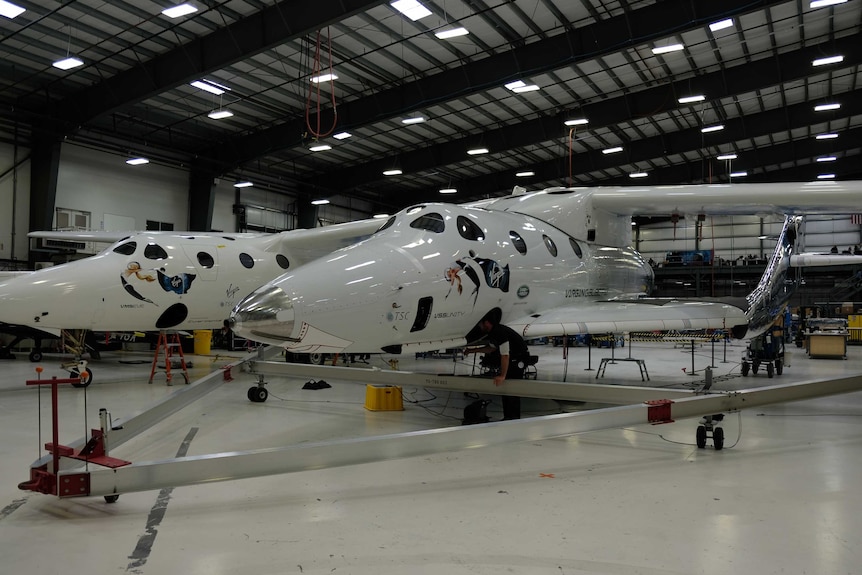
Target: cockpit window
{"points": [[432, 222], [155, 252], [206, 260], [126, 249], [387, 224], [518, 242], [549, 243], [469, 230], [576, 247]]}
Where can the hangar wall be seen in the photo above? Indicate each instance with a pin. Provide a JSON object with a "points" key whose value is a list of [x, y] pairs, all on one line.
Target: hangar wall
{"points": [[14, 202]]}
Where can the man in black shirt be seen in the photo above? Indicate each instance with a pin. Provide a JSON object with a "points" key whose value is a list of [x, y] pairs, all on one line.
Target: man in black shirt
{"points": [[512, 351]]}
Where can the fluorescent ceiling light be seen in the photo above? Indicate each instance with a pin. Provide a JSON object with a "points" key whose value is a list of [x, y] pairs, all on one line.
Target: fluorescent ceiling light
{"points": [[324, 78], [477, 151], [666, 49], [342, 135], [449, 191], [211, 87], [319, 202], [738, 174], [612, 150], [10, 10], [829, 60], [68, 63], [715, 128], [137, 161], [690, 99], [411, 8], [721, 25], [826, 177], [320, 148], [528, 88], [824, 3], [577, 122], [515, 85], [638, 175], [726, 157], [416, 120], [825, 107], [827, 159], [392, 173], [179, 10], [380, 216], [243, 184], [452, 33], [525, 174], [220, 114], [825, 136]]}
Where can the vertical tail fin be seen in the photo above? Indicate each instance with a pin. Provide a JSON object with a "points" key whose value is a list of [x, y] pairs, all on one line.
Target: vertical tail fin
{"points": [[775, 287]]}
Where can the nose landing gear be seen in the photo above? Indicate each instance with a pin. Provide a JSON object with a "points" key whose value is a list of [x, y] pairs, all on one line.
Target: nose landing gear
{"points": [[258, 393], [709, 430]]}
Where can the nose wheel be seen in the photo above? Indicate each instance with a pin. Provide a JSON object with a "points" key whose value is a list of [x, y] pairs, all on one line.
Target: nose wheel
{"points": [[709, 430], [258, 393]]}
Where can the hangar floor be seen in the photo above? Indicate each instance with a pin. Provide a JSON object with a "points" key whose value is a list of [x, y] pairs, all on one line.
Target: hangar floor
{"points": [[782, 497]]}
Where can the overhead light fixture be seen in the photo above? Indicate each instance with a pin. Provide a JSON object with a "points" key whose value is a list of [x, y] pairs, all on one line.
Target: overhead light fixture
{"points": [[612, 150], [577, 122], [449, 191], [726, 157], [10, 10], [392, 173], [825, 136], [824, 3], [243, 184], [829, 60], [515, 84], [320, 148], [416, 120], [179, 10], [324, 78], [477, 151], [137, 161], [738, 174], [451, 33], [527, 88], [220, 114], [342, 135], [716, 128], [827, 159], [525, 174], [691, 99], [321, 202], [826, 176], [826, 107], [68, 63], [721, 25], [380, 216], [411, 8], [638, 175], [210, 86], [666, 49]]}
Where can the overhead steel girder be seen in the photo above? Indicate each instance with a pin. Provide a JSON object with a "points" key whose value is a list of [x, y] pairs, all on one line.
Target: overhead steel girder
{"points": [[642, 26], [266, 29], [749, 77]]}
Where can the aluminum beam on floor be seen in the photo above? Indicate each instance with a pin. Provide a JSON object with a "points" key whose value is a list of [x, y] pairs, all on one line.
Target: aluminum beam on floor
{"points": [[146, 476], [587, 392]]}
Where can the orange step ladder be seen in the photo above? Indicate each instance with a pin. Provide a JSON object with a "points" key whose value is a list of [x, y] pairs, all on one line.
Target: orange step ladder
{"points": [[169, 345]]}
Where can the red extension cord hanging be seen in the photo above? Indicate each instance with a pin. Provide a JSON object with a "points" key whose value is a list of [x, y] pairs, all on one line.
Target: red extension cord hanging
{"points": [[314, 89]]}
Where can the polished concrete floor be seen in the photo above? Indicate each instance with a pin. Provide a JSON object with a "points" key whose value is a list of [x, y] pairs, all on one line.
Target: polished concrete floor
{"points": [[784, 496]]}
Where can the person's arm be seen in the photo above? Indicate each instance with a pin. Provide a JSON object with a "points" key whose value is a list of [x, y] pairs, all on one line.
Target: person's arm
{"points": [[504, 369]]}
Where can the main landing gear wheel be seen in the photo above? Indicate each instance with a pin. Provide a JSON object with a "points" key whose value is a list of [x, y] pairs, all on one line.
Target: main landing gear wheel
{"points": [[86, 376], [36, 355], [112, 498], [257, 394]]}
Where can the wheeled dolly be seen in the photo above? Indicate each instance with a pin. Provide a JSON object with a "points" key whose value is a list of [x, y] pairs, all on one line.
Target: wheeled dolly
{"points": [[709, 430]]}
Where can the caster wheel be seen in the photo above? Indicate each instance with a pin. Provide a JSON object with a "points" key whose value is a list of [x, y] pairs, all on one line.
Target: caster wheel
{"points": [[718, 438], [701, 436], [770, 370], [779, 367], [86, 377], [745, 369], [36, 356], [112, 498]]}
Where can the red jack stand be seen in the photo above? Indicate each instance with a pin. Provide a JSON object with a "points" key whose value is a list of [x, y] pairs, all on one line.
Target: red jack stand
{"points": [[170, 344], [44, 479]]}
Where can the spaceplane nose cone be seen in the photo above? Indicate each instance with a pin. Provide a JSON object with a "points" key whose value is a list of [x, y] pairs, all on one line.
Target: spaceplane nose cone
{"points": [[266, 315]]}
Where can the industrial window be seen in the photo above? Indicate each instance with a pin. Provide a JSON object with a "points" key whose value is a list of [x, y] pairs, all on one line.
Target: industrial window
{"points": [[518, 242], [576, 247], [549, 243], [432, 222], [469, 230], [126, 249], [282, 261], [246, 260], [205, 260], [155, 252]]}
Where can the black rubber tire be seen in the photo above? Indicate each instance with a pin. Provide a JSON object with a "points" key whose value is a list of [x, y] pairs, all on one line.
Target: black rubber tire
{"points": [[718, 438], [112, 498], [770, 370], [36, 355], [258, 394], [745, 368], [317, 358], [87, 380], [779, 367], [701, 436]]}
